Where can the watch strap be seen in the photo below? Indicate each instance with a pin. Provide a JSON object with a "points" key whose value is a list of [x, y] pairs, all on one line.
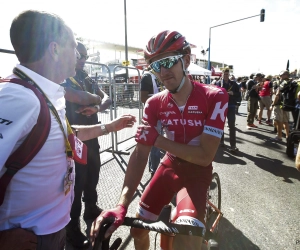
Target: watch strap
{"points": [[104, 130]]}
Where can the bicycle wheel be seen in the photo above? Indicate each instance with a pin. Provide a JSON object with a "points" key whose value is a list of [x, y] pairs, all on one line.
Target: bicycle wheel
{"points": [[214, 196]]}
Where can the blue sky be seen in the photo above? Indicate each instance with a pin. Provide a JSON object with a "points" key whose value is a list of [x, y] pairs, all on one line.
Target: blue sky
{"points": [[249, 45]]}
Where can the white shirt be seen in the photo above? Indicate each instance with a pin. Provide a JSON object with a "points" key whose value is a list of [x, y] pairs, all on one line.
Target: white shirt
{"points": [[35, 197]]}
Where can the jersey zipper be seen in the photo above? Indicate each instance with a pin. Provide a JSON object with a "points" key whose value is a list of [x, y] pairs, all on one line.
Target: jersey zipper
{"points": [[182, 114]]}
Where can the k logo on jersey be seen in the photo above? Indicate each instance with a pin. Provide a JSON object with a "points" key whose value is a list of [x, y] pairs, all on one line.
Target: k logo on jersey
{"points": [[143, 135], [219, 111]]}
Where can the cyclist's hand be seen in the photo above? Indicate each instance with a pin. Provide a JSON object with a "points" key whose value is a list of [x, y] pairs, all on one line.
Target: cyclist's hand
{"points": [[146, 134], [118, 213]]}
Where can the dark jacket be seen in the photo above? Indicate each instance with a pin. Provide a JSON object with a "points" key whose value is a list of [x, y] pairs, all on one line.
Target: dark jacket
{"points": [[253, 93], [231, 86]]}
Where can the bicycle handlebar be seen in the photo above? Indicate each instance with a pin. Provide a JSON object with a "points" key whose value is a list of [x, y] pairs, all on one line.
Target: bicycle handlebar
{"points": [[164, 227], [161, 225]]}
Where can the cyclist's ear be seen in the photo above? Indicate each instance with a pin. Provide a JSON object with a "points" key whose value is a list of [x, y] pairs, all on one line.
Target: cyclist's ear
{"points": [[187, 60]]}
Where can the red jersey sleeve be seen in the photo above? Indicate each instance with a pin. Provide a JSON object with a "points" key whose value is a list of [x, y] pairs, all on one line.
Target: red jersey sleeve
{"points": [[150, 113], [217, 111]]}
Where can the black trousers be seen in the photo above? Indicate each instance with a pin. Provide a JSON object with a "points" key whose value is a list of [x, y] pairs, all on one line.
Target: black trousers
{"points": [[52, 241], [231, 124], [86, 179], [295, 114]]}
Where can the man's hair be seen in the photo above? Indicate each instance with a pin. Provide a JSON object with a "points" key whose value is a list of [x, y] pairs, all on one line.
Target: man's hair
{"points": [[32, 31], [80, 44], [226, 70]]}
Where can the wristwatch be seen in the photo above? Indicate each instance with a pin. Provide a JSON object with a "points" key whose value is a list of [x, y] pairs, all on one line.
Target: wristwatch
{"points": [[103, 129]]}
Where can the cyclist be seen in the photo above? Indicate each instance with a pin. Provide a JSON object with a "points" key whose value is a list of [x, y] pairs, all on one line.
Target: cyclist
{"points": [[193, 116]]}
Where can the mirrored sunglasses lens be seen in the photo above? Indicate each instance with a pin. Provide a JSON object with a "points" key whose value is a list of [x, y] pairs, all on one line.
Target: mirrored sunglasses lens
{"points": [[167, 63], [155, 66]]}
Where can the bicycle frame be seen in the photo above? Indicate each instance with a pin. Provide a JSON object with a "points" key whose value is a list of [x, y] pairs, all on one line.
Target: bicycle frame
{"points": [[220, 215], [163, 225], [166, 242]]}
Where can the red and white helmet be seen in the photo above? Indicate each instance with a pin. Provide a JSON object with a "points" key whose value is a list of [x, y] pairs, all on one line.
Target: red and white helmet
{"points": [[166, 41]]}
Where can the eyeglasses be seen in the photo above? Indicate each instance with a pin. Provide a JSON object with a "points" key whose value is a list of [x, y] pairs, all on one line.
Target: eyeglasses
{"points": [[80, 56], [167, 62]]}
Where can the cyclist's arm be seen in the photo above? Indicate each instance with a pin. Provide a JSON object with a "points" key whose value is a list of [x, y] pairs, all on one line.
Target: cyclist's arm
{"points": [[135, 169], [201, 155]]}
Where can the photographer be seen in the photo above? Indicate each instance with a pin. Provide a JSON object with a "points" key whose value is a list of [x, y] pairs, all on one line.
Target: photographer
{"points": [[233, 91]]}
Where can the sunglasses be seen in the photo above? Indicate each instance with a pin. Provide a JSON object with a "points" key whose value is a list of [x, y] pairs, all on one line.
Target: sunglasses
{"points": [[167, 63], [80, 56]]}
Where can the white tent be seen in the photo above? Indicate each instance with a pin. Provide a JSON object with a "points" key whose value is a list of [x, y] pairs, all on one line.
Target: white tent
{"points": [[194, 69], [131, 72]]}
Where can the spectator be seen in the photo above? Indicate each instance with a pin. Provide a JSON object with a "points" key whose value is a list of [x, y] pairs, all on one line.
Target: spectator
{"points": [[265, 100], [151, 85], [243, 88], [190, 146], [239, 99], [37, 202], [281, 117], [233, 92], [295, 112], [125, 91], [87, 175], [131, 90], [252, 105]]}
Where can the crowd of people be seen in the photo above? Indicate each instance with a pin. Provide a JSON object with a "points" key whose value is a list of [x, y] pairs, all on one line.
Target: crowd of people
{"points": [[42, 200], [265, 92]]}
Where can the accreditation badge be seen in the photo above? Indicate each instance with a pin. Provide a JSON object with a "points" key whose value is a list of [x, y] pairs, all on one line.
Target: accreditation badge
{"points": [[69, 176], [79, 149]]}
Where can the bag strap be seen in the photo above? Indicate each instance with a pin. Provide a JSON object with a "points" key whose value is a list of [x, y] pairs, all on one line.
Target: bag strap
{"points": [[33, 142]]}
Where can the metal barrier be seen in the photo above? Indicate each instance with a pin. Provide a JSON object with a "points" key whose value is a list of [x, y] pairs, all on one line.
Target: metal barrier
{"points": [[126, 100]]}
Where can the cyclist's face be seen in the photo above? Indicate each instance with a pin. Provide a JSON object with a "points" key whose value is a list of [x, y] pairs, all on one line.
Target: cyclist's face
{"points": [[171, 77]]}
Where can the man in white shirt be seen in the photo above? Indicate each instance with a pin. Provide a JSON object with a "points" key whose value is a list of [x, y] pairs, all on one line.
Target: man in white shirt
{"points": [[36, 205]]}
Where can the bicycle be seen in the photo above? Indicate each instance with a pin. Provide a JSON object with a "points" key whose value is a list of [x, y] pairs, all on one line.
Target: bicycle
{"points": [[164, 226]]}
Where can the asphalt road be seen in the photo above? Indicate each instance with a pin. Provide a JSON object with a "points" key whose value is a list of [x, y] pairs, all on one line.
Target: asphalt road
{"points": [[260, 192]]}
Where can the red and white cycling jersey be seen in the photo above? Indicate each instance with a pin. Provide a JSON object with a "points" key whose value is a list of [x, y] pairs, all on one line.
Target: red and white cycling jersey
{"points": [[204, 112]]}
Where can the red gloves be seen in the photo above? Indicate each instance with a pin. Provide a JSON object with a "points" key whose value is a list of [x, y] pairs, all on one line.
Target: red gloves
{"points": [[118, 213], [146, 135]]}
